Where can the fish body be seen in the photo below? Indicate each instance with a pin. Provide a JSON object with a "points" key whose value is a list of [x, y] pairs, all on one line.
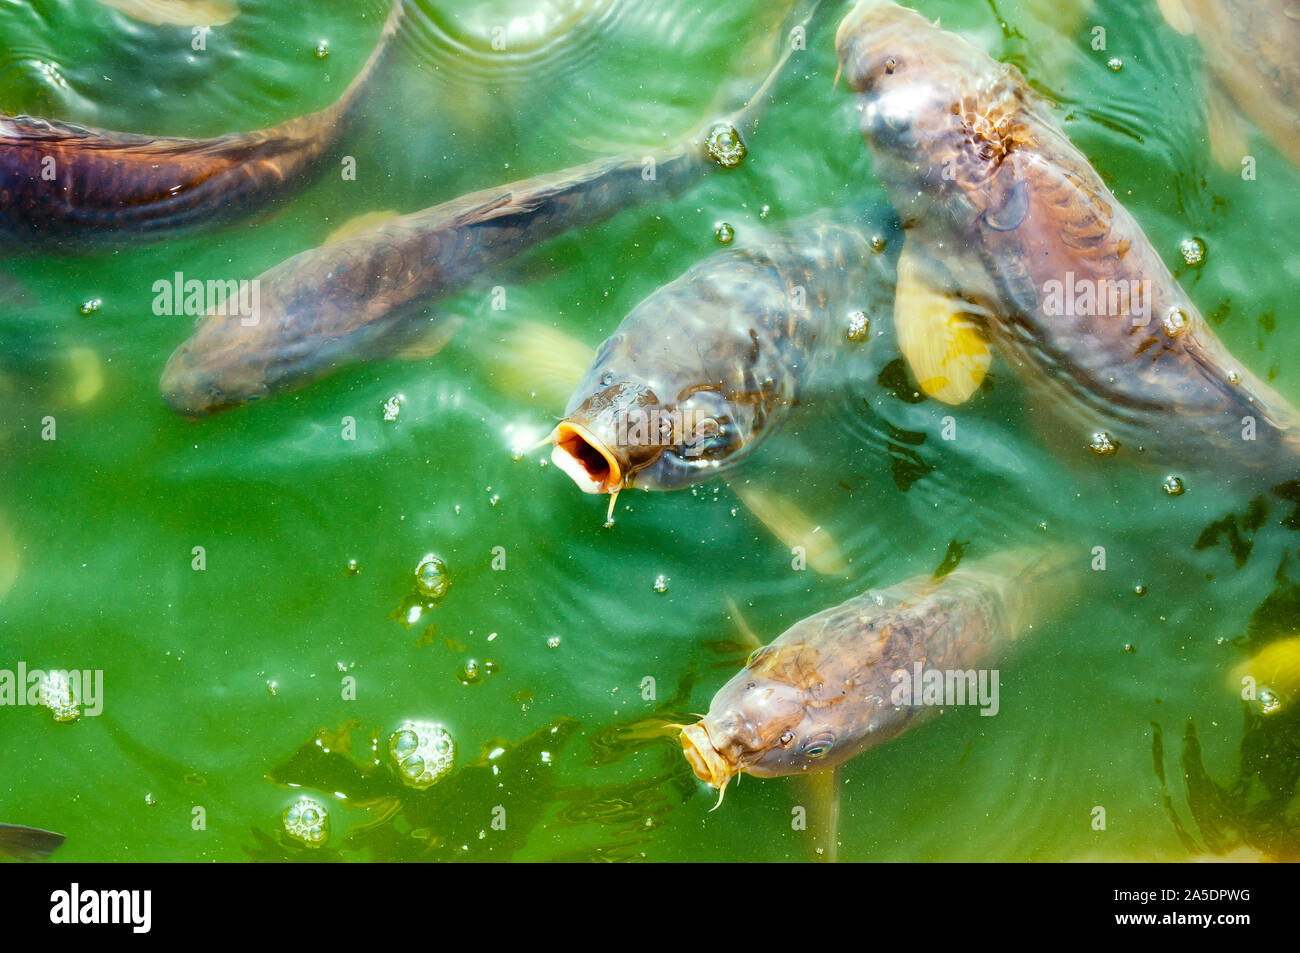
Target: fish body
{"points": [[702, 369], [1078, 300], [67, 184], [28, 843], [364, 297], [831, 686]]}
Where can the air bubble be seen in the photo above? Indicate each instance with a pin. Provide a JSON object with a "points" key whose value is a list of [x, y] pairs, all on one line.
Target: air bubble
{"points": [[322, 49], [1103, 445], [1175, 322], [725, 233], [1193, 251], [661, 584], [1269, 701], [307, 822], [393, 407], [91, 305], [432, 578], [859, 324], [724, 146], [55, 693], [421, 753], [1174, 485], [1115, 63]]}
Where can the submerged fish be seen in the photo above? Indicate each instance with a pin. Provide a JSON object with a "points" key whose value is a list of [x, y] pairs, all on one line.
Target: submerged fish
{"points": [[845, 680], [703, 369], [1068, 288], [68, 183], [364, 297], [28, 843], [1252, 51]]}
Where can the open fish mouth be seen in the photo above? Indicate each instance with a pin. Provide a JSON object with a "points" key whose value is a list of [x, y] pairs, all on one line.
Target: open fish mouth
{"points": [[586, 459], [707, 762]]}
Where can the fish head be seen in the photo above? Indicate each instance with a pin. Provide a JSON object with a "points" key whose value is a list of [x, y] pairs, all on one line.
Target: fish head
{"points": [[761, 725], [635, 423], [195, 384], [916, 81]]}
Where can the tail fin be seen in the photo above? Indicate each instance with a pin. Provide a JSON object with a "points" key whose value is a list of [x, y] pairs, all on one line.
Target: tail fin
{"points": [[28, 843]]}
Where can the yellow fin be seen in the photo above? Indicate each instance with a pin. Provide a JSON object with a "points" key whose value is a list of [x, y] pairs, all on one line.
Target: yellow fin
{"points": [[747, 636], [794, 527], [176, 12], [1176, 16], [87, 374], [355, 226], [1226, 130], [442, 329], [539, 362], [821, 796], [1275, 668], [947, 351], [8, 558]]}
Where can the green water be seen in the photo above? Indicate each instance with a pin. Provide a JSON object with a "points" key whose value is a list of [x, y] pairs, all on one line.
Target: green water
{"points": [[214, 678]]}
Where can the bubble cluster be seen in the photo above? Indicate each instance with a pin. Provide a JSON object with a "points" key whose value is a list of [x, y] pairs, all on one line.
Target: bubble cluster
{"points": [[393, 407], [322, 49], [859, 324], [307, 822], [56, 694], [724, 146], [661, 584], [1193, 251], [1103, 445], [1115, 63], [421, 753], [1175, 322], [91, 305]]}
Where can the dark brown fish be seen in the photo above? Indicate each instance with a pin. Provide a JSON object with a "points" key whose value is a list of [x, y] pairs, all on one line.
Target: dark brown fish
{"points": [[62, 183], [365, 297], [1076, 298], [28, 843]]}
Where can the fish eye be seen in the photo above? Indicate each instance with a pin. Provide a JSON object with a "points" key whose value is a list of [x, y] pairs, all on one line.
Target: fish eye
{"points": [[787, 738], [818, 746]]}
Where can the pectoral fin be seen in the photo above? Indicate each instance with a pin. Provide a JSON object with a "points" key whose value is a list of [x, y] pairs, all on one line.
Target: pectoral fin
{"points": [[87, 374], [441, 330], [355, 226], [794, 527], [538, 362], [821, 792], [1176, 15], [945, 347], [1226, 129], [176, 12]]}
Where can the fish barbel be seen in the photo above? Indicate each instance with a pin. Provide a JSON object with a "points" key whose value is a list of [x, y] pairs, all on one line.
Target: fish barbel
{"points": [[981, 171], [64, 183], [829, 687], [703, 369], [364, 297]]}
